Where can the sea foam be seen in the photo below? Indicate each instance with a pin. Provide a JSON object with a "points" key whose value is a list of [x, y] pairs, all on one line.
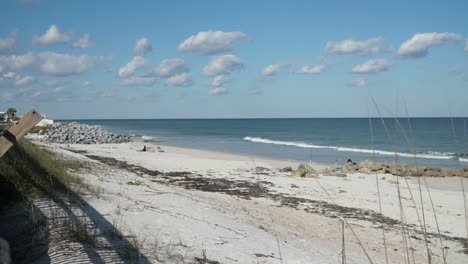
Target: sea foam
{"points": [[346, 149]]}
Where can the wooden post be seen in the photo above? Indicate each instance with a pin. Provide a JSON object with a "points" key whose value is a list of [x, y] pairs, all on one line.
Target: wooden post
{"points": [[13, 134]]}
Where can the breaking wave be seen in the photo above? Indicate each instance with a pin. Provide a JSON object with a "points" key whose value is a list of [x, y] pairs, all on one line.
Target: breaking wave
{"points": [[439, 156]]}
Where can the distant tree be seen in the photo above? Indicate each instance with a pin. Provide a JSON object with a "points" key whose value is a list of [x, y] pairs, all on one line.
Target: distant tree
{"points": [[11, 113], [2, 117]]}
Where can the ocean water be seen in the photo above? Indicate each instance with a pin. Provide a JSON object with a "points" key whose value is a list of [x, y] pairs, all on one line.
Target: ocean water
{"points": [[439, 142]]}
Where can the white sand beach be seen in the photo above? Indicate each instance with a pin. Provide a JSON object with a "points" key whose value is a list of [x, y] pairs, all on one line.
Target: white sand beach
{"points": [[192, 202]]}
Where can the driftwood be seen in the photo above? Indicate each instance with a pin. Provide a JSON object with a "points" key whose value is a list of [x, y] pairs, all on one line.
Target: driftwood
{"points": [[12, 135]]}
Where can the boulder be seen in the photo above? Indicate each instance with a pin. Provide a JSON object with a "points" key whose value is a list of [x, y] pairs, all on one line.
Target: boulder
{"points": [[286, 169], [261, 170], [433, 173], [304, 170]]}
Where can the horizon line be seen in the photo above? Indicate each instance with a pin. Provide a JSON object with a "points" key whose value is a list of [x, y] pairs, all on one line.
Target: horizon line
{"points": [[237, 118]]}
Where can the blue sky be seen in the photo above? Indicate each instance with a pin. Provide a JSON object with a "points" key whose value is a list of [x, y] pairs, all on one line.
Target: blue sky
{"points": [[228, 59]]}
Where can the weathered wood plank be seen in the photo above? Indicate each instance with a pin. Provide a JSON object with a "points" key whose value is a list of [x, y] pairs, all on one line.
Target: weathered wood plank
{"points": [[10, 136]]}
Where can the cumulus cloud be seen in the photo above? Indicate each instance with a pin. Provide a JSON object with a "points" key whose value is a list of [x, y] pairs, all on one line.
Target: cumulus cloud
{"points": [[8, 44], [312, 69], [218, 91], [13, 80], [211, 42], [17, 62], [349, 46], [52, 36], [139, 81], [175, 71], [373, 66], [57, 64], [129, 69], [49, 63], [418, 46], [169, 67], [359, 82], [142, 47], [84, 42], [220, 67], [182, 79], [85, 84], [219, 80], [223, 64], [274, 69]]}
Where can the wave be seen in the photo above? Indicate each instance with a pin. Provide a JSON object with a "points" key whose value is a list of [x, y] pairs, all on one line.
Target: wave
{"points": [[463, 160], [345, 149]]}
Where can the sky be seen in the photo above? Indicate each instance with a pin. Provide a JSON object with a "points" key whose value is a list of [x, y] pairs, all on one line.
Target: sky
{"points": [[234, 59]]}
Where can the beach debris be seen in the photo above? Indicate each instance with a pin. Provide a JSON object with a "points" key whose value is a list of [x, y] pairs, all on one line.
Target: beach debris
{"points": [[74, 133], [261, 170], [135, 182], [304, 170]]}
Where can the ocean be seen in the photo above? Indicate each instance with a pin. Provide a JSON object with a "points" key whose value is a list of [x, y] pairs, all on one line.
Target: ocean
{"points": [[441, 142]]}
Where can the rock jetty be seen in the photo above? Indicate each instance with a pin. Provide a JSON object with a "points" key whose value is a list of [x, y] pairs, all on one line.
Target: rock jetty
{"points": [[370, 167], [74, 133]]}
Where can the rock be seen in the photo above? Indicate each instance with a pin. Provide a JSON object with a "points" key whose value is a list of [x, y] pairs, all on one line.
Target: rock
{"points": [[74, 133], [339, 174], [450, 173], [416, 171], [304, 170], [261, 170], [367, 164], [433, 173], [430, 168], [286, 169]]}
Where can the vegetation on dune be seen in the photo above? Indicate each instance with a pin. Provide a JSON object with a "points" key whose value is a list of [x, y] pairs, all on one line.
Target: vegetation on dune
{"points": [[30, 169]]}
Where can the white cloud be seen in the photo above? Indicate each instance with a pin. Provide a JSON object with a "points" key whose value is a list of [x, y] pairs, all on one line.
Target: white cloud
{"points": [[254, 91], [312, 69], [52, 36], [419, 45], [7, 97], [274, 69], [211, 42], [359, 82], [349, 46], [136, 63], [13, 80], [57, 64], [219, 80], [56, 83], [169, 67], [373, 66], [218, 91], [24, 81], [223, 64], [85, 84], [139, 81], [8, 44], [17, 62], [142, 47], [182, 79], [84, 42]]}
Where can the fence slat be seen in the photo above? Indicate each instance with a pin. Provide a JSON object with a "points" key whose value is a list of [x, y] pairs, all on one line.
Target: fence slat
{"points": [[13, 134]]}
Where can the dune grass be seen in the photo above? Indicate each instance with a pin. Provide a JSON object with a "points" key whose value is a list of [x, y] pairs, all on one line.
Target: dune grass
{"points": [[30, 169]]}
